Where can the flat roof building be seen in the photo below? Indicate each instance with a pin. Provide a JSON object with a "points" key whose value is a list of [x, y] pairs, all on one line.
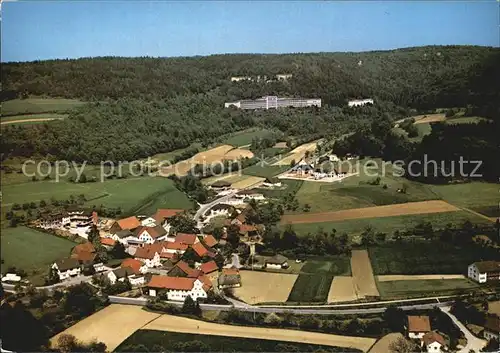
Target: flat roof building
{"points": [[273, 102]]}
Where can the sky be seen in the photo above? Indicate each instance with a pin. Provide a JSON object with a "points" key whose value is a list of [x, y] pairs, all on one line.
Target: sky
{"points": [[37, 30]]}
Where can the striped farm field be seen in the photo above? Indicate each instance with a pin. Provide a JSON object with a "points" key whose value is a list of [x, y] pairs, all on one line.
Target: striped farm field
{"points": [[410, 208]]}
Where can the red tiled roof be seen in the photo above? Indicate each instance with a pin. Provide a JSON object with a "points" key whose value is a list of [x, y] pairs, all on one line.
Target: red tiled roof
{"points": [[147, 252], [431, 337], [209, 267], [129, 223], [419, 324], [176, 245], [230, 271], [166, 282], [244, 228], [84, 256], [200, 249], [107, 241], [168, 255], [210, 240], [85, 247], [207, 283], [163, 213], [134, 264], [185, 238], [154, 232]]}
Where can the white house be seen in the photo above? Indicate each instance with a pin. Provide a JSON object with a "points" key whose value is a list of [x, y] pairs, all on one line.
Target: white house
{"points": [[99, 267], [220, 210], [67, 268], [150, 257], [359, 102], [283, 77], [11, 277], [119, 274], [249, 194], [418, 326], [277, 262], [178, 288], [484, 271], [149, 235], [148, 222], [433, 342]]}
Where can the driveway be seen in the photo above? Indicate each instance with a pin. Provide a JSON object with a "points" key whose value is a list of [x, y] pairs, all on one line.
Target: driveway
{"points": [[473, 343]]}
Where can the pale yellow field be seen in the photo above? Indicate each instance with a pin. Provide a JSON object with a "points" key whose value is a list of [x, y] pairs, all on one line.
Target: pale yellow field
{"points": [[342, 290], [231, 178], [247, 182], [211, 155], [429, 118], [362, 273], [261, 287], [382, 345], [185, 325], [112, 325], [238, 153], [298, 153], [494, 307], [387, 278]]}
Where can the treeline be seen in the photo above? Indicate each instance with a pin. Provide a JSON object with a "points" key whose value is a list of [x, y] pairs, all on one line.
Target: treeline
{"points": [[149, 106]]}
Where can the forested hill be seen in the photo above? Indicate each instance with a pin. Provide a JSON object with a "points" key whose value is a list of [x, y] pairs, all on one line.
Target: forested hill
{"points": [[143, 106], [423, 77]]}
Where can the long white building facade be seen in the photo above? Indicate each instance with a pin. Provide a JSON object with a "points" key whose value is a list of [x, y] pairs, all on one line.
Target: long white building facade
{"points": [[274, 102]]}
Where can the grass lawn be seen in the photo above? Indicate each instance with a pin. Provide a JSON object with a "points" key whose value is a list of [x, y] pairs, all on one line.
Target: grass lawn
{"points": [[311, 288], [178, 342], [265, 171], [414, 288], [169, 155], [32, 250], [465, 120], [426, 257], [334, 265], [245, 137], [129, 194], [39, 105], [390, 224], [481, 197]]}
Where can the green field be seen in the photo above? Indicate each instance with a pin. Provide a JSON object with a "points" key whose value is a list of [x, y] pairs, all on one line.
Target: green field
{"points": [[421, 257], [32, 250], [129, 194], [243, 138], [465, 120], [390, 224], [481, 197], [310, 288], [334, 265], [265, 171], [38, 105], [419, 288], [186, 342], [167, 156]]}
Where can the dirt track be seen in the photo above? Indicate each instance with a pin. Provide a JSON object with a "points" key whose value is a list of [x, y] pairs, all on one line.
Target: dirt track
{"points": [[388, 278], [429, 118], [112, 325], [28, 121], [264, 287], [184, 325], [409, 208], [362, 274]]}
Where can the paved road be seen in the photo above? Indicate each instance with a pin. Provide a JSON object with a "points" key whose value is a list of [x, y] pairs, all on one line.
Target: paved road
{"points": [[473, 343], [282, 309], [205, 207], [70, 282]]}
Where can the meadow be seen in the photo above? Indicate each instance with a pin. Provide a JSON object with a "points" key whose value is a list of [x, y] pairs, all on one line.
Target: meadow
{"points": [[32, 250], [311, 288], [265, 170], [426, 257], [426, 287], [335, 265], [390, 224], [38, 105], [130, 194], [287, 187], [245, 137]]}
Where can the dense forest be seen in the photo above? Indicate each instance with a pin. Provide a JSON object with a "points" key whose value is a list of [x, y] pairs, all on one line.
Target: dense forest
{"points": [[142, 106]]}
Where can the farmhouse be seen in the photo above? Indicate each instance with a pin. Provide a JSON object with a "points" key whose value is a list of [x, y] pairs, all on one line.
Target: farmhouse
{"points": [[84, 252], [221, 209], [272, 182], [302, 169], [418, 326], [175, 247], [210, 240], [492, 328], [108, 243], [209, 267], [273, 102], [163, 215], [202, 251], [250, 194], [122, 273], [360, 102], [129, 223], [283, 77], [220, 185], [11, 277], [433, 342], [149, 255], [149, 235], [182, 269], [484, 271], [178, 288], [277, 262], [186, 238], [66, 268], [137, 266], [230, 278]]}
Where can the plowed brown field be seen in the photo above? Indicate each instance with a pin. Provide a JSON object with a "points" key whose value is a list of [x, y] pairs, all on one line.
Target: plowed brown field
{"points": [[402, 209], [362, 274]]}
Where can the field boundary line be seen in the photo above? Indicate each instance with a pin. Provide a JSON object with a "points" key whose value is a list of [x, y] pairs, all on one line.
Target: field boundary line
{"points": [[477, 214]]}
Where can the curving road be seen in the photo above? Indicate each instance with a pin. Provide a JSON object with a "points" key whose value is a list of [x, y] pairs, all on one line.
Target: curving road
{"points": [[207, 206], [473, 343]]}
